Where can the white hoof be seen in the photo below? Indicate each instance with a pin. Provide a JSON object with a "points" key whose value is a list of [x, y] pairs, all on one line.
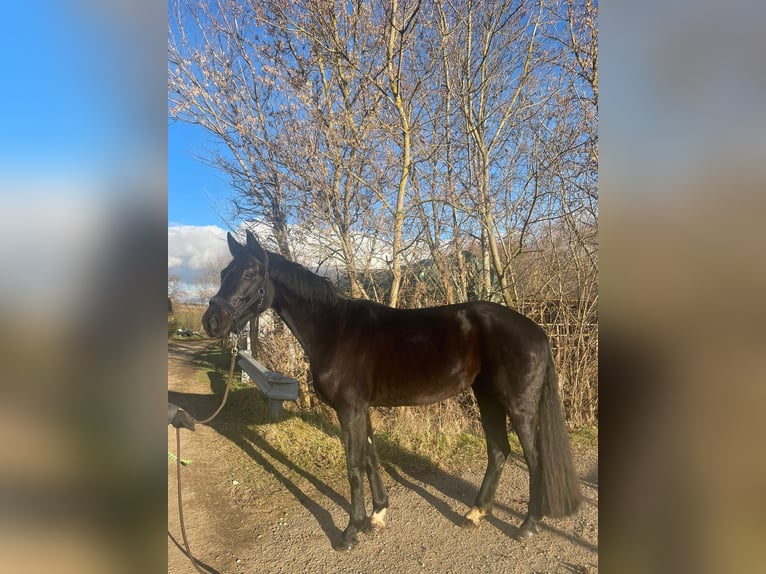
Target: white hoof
{"points": [[474, 516], [378, 519]]}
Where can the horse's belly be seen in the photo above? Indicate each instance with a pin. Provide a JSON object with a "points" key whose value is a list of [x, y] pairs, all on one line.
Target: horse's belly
{"points": [[413, 390]]}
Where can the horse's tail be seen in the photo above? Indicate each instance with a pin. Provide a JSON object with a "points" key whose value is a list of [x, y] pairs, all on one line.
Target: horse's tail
{"points": [[560, 485]]}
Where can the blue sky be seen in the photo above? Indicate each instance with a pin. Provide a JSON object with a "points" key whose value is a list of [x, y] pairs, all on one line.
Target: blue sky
{"points": [[198, 194], [199, 207], [60, 95]]}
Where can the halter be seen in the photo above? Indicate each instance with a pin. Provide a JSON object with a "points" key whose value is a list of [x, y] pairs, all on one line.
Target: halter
{"points": [[236, 312]]}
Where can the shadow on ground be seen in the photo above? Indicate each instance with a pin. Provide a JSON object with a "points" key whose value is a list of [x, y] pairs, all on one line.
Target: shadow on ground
{"points": [[247, 407]]}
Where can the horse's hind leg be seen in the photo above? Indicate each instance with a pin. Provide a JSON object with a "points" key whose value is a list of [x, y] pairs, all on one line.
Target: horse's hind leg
{"points": [[524, 425], [493, 420], [379, 496]]}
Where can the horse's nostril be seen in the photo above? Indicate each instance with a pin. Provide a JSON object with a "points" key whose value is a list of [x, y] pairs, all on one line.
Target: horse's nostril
{"points": [[213, 322]]}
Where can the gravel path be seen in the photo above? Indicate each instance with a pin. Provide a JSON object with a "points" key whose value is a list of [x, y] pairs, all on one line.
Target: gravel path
{"points": [[249, 509]]}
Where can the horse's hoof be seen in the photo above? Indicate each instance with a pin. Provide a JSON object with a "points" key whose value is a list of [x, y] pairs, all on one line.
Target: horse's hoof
{"points": [[348, 539], [473, 518], [373, 529], [526, 531], [345, 545], [376, 523], [468, 523]]}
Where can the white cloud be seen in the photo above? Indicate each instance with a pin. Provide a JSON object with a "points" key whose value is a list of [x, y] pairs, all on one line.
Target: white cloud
{"points": [[197, 253], [193, 251]]}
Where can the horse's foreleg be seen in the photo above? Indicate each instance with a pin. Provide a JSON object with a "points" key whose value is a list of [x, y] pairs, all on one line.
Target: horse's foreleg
{"points": [[379, 495], [353, 427]]}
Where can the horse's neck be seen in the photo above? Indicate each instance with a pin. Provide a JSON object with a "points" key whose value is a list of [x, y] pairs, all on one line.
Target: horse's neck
{"points": [[310, 322]]}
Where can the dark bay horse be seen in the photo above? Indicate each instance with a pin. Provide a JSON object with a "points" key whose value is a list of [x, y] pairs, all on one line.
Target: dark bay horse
{"points": [[364, 354]]}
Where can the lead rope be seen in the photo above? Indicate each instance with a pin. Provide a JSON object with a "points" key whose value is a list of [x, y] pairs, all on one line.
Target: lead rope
{"points": [[179, 462], [234, 351], [192, 559]]}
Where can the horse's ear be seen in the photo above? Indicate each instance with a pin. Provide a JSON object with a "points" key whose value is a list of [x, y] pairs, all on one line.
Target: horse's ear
{"points": [[234, 247], [254, 246]]}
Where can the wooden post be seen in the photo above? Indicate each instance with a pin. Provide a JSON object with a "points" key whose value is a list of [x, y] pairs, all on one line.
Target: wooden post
{"points": [[254, 328], [244, 345]]}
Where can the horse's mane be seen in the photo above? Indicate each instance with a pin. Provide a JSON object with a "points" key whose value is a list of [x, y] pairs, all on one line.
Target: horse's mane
{"points": [[300, 281]]}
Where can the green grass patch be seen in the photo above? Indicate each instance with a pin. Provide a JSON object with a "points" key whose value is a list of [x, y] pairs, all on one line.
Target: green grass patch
{"points": [[585, 437], [315, 448]]}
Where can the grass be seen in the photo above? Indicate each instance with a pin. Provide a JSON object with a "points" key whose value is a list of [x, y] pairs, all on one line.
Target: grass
{"points": [[439, 436], [586, 437]]}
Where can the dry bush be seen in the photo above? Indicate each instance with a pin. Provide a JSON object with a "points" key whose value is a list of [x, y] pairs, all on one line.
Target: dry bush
{"points": [[446, 434], [280, 351], [572, 329]]}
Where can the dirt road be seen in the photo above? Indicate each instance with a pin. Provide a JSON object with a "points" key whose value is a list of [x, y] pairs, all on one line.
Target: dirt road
{"points": [[250, 509]]}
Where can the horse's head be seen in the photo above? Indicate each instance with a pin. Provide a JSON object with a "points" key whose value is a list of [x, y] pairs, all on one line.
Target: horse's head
{"points": [[246, 290]]}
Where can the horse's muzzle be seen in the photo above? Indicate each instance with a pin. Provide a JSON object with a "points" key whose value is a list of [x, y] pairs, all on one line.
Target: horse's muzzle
{"points": [[217, 322]]}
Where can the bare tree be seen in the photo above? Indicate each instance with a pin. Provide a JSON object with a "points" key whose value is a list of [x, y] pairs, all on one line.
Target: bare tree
{"points": [[334, 123], [491, 54], [174, 286], [386, 66], [217, 80], [375, 129]]}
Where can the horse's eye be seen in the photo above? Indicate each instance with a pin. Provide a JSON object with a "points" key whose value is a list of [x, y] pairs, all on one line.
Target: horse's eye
{"points": [[249, 275]]}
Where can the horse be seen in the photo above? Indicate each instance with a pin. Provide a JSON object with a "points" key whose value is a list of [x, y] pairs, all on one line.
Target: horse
{"points": [[364, 354]]}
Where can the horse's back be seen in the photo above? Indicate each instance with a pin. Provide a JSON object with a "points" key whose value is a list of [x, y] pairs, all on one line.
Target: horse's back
{"points": [[394, 357]]}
